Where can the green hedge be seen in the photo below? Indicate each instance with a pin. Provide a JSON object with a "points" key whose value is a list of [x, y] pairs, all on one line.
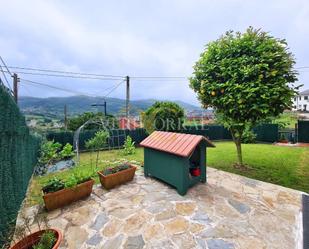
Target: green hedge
{"points": [[265, 133], [18, 155], [117, 137]]}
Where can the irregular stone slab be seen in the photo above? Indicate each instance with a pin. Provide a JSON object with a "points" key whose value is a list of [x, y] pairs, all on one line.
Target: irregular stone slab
{"points": [[100, 221], [184, 241], [60, 223], [165, 244], [112, 228], [202, 218], [75, 237], [185, 208], [135, 222], [219, 244], [136, 242], [165, 215], [154, 232], [94, 240], [177, 225], [240, 207], [196, 227], [114, 243], [201, 243]]}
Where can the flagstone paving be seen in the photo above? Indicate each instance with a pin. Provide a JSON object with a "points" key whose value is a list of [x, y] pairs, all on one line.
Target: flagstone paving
{"points": [[229, 212]]}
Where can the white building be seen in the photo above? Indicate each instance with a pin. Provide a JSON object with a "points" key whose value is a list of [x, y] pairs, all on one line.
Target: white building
{"points": [[301, 102]]}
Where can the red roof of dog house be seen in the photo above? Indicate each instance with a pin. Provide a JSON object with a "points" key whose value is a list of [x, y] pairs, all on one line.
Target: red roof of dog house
{"points": [[176, 143]]}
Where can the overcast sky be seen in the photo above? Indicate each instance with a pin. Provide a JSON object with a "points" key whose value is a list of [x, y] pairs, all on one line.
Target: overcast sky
{"points": [[136, 38]]}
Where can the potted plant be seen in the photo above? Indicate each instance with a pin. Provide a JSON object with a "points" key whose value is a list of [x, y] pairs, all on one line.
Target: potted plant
{"points": [[112, 177], [283, 139], [47, 238], [42, 239], [58, 193]]}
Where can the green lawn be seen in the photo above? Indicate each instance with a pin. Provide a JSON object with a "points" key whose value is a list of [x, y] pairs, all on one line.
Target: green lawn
{"points": [[286, 166]]}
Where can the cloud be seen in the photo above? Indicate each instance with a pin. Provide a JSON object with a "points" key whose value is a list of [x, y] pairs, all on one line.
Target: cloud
{"points": [[137, 38]]}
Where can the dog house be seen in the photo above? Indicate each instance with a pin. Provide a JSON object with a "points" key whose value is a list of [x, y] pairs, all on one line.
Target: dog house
{"points": [[176, 158]]}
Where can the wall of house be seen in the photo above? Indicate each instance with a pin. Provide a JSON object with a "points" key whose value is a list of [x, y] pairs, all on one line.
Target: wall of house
{"points": [[301, 103]]}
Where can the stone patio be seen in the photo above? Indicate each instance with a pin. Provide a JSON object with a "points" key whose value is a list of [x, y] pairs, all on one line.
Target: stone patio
{"points": [[227, 213]]}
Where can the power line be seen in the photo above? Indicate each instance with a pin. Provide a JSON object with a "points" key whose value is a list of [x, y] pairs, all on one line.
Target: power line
{"points": [[6, 66], [65, 72], [55, 87], [113, 89], [6, 80], [67, 76]]}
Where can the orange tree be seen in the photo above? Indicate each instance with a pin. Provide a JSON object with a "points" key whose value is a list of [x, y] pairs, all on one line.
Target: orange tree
{"points": [[247, 78]]}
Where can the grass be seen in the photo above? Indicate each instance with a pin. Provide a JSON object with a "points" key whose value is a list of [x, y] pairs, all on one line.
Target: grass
{"points": [[286, 166]]}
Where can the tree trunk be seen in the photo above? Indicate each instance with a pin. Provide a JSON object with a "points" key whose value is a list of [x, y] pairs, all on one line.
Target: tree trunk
{"points": [[97, 160], [237, 141], [239, 152]]}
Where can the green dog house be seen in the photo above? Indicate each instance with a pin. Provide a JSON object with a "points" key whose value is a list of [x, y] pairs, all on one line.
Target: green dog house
{"points": [[176, 158]]}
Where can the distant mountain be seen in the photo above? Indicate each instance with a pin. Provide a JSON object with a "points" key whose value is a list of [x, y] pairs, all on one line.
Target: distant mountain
{"points": [[54, 106]]}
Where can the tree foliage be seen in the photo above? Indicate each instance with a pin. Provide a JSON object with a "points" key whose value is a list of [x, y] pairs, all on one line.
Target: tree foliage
{"points": [[163, 116], [247, 78], [75, 122]]}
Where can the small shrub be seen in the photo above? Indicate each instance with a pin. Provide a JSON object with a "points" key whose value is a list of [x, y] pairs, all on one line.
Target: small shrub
{"points": [[116, 169], [49, 152], [70, 182], [67, 152], [47, 241], [248, 137], [129, 146], [53, 185]]}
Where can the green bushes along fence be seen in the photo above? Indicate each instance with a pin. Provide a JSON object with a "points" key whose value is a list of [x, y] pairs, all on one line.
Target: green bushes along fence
{"points": [[18, 155], [264, 133]]}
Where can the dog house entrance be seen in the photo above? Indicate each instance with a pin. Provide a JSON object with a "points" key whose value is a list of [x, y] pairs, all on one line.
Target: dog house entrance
{"points": [[195, 162]]}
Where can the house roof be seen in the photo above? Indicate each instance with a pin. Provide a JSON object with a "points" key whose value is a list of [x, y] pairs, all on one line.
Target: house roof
{"points": [[306, 92], [175, 143]]}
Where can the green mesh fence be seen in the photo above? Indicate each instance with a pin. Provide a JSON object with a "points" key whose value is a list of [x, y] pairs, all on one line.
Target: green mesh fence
{"points": [[303, 131], [18, 155]]}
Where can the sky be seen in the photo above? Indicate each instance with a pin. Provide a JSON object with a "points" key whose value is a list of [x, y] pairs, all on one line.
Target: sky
{"points": [[136, 38]]}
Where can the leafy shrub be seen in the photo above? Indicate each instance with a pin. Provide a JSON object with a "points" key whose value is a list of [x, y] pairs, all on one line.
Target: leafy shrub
{"points": [[67, 151], [47, 241], [248, 136], [53, 185], [128, 147], [116, 169], [70, 182], [49, 152]]}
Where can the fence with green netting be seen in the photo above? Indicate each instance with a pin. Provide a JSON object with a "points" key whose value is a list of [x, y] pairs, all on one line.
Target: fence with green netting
{"points": [[18, 156]]}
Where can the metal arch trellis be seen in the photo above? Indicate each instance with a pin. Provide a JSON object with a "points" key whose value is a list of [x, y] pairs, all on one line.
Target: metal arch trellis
{"points": [[114, 140]]}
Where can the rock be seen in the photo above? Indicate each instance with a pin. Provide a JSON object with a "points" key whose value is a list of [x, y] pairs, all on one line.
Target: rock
{"points": [[122, 212], [184, 241], [185, 208], [219, 244], [157, 207], [59, 223], [135, 222], [177, 225], [112, 227], [240, 207], [94, 240], [80, 216], [75, 237], [202, 218], [135, 242], [165, 215], [100, 221], [196, 227], [154, 231], [164, 244], [114, 243]]}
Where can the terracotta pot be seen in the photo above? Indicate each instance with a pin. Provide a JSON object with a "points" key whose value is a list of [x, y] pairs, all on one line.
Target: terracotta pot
{"points": [[66, 196], [34, 238], [284, 141], [113, 180]]}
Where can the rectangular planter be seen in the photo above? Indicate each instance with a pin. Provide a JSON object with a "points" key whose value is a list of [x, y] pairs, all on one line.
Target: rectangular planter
{"points": [[66, 196], [113, 180]]}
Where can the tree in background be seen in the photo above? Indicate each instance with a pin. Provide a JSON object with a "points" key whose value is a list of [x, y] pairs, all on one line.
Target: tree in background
{"points": [[163, 116], [97, 143], [75, 122], [246, 78]]}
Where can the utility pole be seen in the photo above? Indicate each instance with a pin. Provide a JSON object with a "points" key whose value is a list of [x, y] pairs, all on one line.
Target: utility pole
{"points": [[105, 113], [128, 97], [15, 87], [65, 117]]}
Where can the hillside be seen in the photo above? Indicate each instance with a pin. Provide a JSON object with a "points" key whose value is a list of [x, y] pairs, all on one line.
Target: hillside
{"points": [[53, 107]]}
